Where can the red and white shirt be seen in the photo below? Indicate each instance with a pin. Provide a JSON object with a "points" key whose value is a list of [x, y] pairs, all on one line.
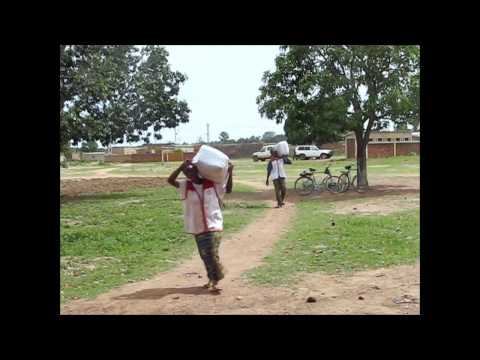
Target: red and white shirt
{"points": [[201, 208]]}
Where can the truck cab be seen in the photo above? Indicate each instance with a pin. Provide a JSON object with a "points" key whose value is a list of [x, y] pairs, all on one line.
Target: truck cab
{"points": [[263, 154]]}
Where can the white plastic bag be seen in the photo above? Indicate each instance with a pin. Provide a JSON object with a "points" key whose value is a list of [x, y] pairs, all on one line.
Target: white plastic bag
{"points": [[282, 148], [212, 164]]}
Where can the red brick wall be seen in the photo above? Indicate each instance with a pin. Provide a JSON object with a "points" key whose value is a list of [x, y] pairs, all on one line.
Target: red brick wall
{"points": [[407, 148], [337, 147], [236, 151], [174, 156], [133, 158], [138, 158], [188, 155], [380, 150], [384, 150], [350, 149], [118, 158]]}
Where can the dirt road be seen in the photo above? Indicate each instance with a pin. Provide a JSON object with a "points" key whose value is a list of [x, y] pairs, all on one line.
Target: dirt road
{"points": [[159, 295]]}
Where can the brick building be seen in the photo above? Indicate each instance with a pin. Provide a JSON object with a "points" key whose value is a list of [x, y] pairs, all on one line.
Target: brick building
{"points": [[149, 153], [385, 144]]}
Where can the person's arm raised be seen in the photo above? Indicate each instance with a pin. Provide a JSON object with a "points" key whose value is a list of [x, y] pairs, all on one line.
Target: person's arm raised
{"points": [[172, 179]]}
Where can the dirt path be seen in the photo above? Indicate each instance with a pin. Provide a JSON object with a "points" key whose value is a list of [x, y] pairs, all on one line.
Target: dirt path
{"points": [[159, 295]]}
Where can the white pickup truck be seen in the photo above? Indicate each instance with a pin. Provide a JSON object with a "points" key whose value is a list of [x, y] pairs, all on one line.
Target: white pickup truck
{"points": [[263, 154], [304, 152]]}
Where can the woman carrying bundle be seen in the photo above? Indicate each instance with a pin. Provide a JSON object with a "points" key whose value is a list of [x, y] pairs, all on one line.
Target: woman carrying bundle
{"points": [[202, 213]]}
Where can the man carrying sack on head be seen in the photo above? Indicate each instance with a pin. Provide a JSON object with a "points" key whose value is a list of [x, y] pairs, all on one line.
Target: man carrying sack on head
{"points": [[277, 172], [203, 215]]}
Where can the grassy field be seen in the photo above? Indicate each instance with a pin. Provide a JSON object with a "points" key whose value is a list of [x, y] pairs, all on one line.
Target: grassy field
{"points": [[355, 242], [110, 239], [246, 169]]}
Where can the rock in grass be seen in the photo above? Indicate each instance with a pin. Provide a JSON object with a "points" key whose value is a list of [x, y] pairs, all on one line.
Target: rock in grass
{"points": [[239, 297], [361, 298], [176, 297], [311, 299]]}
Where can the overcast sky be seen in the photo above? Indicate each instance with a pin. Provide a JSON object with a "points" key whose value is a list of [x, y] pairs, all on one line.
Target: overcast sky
{"points": [[221, 90]]}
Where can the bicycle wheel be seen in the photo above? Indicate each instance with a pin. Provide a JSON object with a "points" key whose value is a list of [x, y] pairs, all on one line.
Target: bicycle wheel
{"points": [[332, 184], [304, 186], [354, 184], [343, 183]]}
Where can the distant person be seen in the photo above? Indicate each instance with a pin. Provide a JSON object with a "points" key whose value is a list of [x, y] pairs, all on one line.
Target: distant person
{"points": [[203, 215], [277, 172]]}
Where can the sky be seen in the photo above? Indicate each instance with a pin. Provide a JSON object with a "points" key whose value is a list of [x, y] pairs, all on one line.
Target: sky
{"points": [[221, 90]]}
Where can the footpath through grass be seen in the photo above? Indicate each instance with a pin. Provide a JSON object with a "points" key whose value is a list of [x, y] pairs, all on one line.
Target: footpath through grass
{"points": [[107, 240], [355, 242]]}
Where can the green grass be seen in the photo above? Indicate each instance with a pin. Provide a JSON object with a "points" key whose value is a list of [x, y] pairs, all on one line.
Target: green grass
{"points": [[356, 242], [249, 170], [242, 188], [108, 239], [86, 163]]}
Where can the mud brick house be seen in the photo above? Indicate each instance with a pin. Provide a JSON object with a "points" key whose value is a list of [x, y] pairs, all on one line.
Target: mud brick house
{"points": [[149, 153], [385, 144], [235, 151]]}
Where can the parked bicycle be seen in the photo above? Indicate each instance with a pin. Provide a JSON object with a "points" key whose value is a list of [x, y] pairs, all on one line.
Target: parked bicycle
{"points": [[307, 183], [346, 182]]}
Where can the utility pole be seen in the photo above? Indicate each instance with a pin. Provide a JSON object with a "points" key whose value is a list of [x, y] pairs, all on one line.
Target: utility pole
{"points": [[208, 133]]}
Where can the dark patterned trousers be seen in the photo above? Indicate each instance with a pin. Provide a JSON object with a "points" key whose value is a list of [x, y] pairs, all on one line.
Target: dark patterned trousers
{"points": [[208, 244]]}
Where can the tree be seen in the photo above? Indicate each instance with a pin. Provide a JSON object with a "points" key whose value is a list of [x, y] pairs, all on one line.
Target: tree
{"points": [[89, 146], [278, 138], [114, 92], [224, 137], [414, 94], [267, 136], [322, 92]]}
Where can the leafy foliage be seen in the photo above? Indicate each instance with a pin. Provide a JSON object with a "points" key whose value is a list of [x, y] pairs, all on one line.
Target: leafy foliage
{"points": [[89, 146], [114, 92], [322, 92], [224, 137]]}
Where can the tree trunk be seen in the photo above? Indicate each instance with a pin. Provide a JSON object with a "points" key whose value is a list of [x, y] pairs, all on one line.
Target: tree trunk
{"points": [[362, 179]]}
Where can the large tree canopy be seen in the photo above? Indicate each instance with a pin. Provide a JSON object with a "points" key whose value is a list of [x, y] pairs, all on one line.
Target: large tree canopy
{"points": [[112, 92], [321, 92]]}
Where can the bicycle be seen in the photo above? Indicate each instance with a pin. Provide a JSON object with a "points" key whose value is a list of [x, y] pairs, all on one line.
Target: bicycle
{"points": [[345, 182], [307, 183]]}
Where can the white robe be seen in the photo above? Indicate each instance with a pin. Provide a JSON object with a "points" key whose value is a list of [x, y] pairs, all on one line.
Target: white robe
{"points": [[192, 207]]}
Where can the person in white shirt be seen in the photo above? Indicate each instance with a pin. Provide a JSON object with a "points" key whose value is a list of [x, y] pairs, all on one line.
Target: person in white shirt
{"points": [[202, 212], [277, 172]]}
